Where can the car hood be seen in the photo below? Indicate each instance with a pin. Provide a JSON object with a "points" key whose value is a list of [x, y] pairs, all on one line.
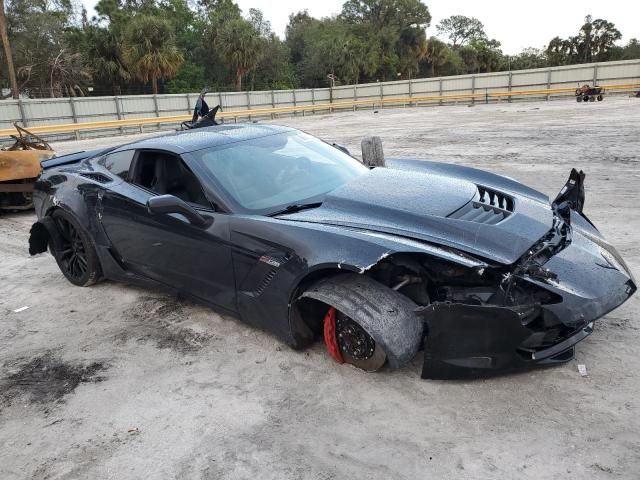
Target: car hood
{"points": [[423, 206]]}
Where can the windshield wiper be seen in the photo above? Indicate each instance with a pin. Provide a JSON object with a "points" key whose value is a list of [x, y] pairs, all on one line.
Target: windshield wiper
{"points": [[296, 207]]}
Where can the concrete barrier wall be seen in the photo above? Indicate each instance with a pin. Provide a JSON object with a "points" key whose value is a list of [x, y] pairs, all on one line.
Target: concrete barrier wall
{"points": [[50, 111]]}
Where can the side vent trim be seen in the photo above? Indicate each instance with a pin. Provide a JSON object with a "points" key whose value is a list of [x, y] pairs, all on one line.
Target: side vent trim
{"points": [[264, 283], [96, 177]]}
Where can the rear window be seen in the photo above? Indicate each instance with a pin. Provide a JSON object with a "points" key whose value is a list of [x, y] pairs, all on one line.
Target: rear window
{"points": [[118, 163]]}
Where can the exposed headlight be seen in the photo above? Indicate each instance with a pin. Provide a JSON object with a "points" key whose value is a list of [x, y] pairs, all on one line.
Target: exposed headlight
{"points": [[614, 259], [610, 254]]}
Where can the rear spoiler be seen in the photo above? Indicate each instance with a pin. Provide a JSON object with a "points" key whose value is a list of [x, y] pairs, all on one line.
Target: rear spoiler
{"points": [[72, 158]]}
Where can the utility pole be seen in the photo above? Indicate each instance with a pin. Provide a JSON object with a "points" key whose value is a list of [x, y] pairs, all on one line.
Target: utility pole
{"points": [[4, 35]]}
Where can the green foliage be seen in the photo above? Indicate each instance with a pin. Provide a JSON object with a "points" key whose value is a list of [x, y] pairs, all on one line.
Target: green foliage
{"points": [[437, 53], [461, 30], [42, 38], [102, 46], [631, 51], [149, 50], [240, 45], [189, 78], [183, 45], [527, 59], [273, 71], [389, 39], [595, 42]]}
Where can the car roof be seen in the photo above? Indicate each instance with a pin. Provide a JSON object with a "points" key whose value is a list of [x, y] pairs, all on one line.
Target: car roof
{"points": [[197, 139]]}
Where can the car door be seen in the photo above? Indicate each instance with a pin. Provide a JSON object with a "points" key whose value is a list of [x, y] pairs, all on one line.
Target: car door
{"points": [[166, 247]]}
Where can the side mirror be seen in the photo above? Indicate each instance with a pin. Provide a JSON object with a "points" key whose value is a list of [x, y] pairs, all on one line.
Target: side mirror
{"points": [[164, 204]]}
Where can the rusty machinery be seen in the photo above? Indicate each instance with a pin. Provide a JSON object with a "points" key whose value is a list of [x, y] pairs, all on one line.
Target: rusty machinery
{"points": [[20, 167]]}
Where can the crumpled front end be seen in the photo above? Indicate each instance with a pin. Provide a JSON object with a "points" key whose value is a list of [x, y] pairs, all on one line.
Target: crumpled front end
{"points": [[581, 277]]}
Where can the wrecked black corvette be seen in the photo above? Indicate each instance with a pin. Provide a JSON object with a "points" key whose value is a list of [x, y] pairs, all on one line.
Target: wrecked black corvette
{"points": [[295, 236]]}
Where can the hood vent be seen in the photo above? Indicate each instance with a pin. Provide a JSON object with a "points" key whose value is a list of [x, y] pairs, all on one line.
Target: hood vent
{"points": [[495, 199], [487, 206]]}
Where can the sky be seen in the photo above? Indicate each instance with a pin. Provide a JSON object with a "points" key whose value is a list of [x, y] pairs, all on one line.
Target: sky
{"points": [[516, 24]]}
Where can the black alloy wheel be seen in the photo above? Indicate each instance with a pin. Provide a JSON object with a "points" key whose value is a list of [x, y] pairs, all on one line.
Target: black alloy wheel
{"points": [[75, 254]]}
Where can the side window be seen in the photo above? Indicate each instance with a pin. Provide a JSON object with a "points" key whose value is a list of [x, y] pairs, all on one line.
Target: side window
{"points": [[118, 163], [167, 174]]}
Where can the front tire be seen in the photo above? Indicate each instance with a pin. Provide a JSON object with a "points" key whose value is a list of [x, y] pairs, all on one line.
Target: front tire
{"points": [[348, 342], [376, 322], [76, 255]]}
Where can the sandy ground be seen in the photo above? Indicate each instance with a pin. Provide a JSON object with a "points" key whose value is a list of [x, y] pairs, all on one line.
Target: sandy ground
{"points": [[117, 382]]}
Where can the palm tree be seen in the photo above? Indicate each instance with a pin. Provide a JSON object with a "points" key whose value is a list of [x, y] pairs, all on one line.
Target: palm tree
{"points": [[241, 45], [4, 35], [106, 57], [435, 52], [350, 55], [149, 50]]}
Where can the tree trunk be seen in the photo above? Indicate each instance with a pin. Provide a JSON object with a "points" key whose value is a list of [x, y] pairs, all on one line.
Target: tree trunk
{"points": [[154, 85], [4, 35], [239, 80]]}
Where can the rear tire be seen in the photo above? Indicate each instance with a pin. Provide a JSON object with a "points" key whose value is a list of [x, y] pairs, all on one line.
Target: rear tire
{"points": [[585, 98], [76, 255], [600, 97], [579, 98]]}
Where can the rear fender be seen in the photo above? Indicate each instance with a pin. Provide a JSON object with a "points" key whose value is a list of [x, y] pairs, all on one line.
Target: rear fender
{"points": [[43, 234]]}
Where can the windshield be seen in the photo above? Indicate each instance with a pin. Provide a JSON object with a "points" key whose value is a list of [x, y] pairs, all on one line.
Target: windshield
{"points": [[268, 173]]}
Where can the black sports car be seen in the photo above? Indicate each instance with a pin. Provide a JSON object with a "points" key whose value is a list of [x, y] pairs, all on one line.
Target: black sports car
{"points": [[295, 236]]}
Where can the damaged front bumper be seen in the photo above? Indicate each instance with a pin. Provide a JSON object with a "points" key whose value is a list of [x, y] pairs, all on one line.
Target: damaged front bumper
{"points": [[588, 278]]}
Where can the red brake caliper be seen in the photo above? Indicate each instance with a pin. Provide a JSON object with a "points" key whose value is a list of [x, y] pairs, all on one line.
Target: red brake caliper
{"points": [[330, 338]]}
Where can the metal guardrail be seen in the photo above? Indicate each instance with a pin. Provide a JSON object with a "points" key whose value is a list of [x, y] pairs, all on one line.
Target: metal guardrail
{"points": [[411, 100]]}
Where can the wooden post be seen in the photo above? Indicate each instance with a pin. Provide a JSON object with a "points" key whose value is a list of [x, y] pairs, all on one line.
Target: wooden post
{"points": [[249, 103], [313, 100], [295, 102], [372, 154], [355, 96], [74, 116], [155, 106], [116, 99], [330, 98], [473, 90], [23, 115]]}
